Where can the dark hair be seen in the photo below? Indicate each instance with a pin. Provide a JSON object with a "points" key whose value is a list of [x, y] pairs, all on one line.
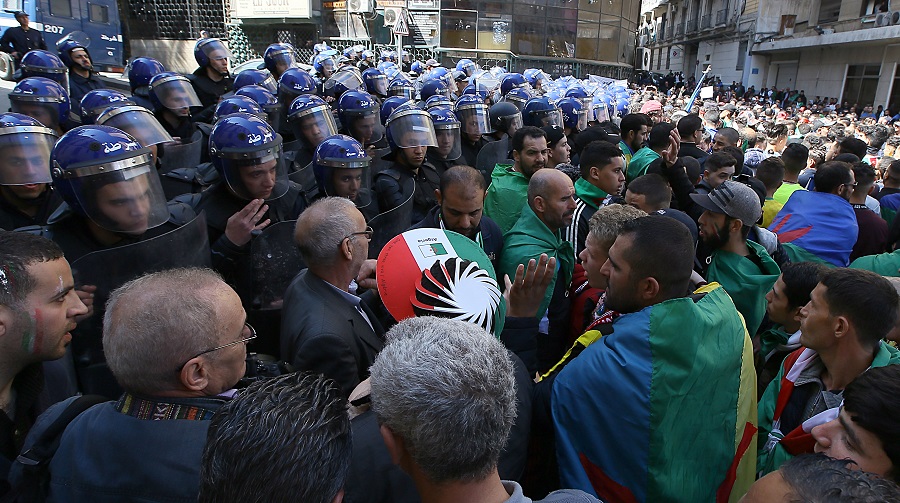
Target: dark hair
{"points": [[730, 134], [689, 124], [18, 251], [818, 478], [853, 146], [894, 169], [659, 135], [871, 402], [518, 139], [462, 175], [800, 278], [717, 161], [634, 122], [864, 175], [654, 188], [848, 158], [597, 154], [775, 131], [589, 135], [770, 172], [298, 420], [661, 248], [795, 157], [737, 154], [692, 168], [868, 300], [831, 175]]}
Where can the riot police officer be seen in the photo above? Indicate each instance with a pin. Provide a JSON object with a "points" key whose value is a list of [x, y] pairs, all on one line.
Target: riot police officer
{"points": [[26, 197], [82, 78], [278, 58], [211, 79], [44, 100], [41, 63], [473, 117], [311, 121], [358, 113], [341, 167], [447, 153], [173, 97], [140, 71], [98, 100]]}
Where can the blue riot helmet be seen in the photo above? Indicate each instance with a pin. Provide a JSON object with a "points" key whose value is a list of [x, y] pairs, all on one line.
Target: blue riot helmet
{"points": [[391, 104], [174, 92], [417, 67], [25, 146], [535, 77], [324, 65], [432, 87], [293, 83], [385, 55], [410, 127], [539, 112], [438, 100], [42, 99], [358, 112], [402, 87], [473, 116], [575, 115], [136, 121], [505, 117], [446, 132], [348, 78], [140, 71], [105, 175], [246, 152], [211, 52], [466, 66], [518, 97], [376, 82], [237, 104], [256, 77], [278, 58], [41, 63], [391, 71], [350, 52], [442, 74], [311, 120], [266, 100], [622, 106], [99, 100], [599, 108], [470, 89], [66, 46], [341, 166], [511, 81], [367, 56]]}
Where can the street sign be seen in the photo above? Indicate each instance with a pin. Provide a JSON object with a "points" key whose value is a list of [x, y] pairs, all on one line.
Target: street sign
{"points": [[402, 26]]}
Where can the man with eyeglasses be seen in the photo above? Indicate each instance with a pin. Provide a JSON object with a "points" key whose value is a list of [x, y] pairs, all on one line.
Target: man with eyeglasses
{"points": [[326, 328], [176, 342]]}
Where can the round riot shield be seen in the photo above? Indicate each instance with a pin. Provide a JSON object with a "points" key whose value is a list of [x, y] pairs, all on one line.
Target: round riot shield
{"points": [[389, 224], [186, 246], [275, 261], [491, 154], [182, 155], [305, 177]]}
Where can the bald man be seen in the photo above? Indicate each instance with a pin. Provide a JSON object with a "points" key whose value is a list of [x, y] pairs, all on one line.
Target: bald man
{"points": [[550, 209], [326, 328]]}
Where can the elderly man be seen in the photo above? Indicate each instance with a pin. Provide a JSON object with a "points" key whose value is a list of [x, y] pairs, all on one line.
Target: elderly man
{"points": [[302, 420], [38, 306], [445, 437], [550, 209], [325, 328], [176, 342]]}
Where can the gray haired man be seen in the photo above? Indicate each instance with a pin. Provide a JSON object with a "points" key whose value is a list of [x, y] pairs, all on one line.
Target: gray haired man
{"points": [[444, 394]]}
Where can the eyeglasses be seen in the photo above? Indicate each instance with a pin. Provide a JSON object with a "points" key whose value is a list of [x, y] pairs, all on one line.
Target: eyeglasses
{"points": [[851, 184], [223, 346], [368, 233]]}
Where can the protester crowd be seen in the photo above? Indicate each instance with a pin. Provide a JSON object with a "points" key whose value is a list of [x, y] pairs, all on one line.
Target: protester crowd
{"points": [[670, 298]]}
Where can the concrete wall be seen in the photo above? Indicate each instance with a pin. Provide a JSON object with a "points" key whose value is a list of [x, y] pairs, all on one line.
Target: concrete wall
{"points": [[723, 58], [175, 55], [890, 59]]}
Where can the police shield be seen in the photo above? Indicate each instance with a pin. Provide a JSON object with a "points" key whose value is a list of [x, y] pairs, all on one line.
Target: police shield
{"points": [[378, 164], [389, 224], [305, 177], [275, 261], [181, 155], [186, 246], [491, 154]]}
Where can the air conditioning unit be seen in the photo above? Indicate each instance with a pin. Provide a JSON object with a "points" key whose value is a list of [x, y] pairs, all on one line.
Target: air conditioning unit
{"points": [[359, 5], [887, 19], [391, 15], [644, 54]]}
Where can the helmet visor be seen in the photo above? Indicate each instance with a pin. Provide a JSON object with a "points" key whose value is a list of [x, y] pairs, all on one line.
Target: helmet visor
{"points": [[284, 60], [582, 121], [258, 174], [138, 122], [345, 80], [512, 123], [550, 117], [413, 130], [44, 111], [475, 120], [515, 99], [405, 91], [346, 179], [269, 84], [365, 127], [216, 51], [313, 125], [448, 146], [126, 196], [25, 155], [601, 112], [176, 94], [378, 84]]}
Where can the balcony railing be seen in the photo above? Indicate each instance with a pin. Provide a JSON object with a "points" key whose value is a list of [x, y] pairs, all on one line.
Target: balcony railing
{"points": [[721, 17], [706, 22], [679, 30], [691, 26], [662, 32]]}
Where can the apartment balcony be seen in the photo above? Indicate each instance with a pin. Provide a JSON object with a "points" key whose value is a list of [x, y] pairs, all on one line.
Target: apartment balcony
{"points": [[721, 17], [691, 27], [679, 30], [706, 22]]}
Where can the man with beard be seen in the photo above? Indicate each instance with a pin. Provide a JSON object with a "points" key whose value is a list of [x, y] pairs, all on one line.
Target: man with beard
{"points": [[743, 268], [460, 209], [82, 78], [507, 193], [672, 361], [26, 197], [601, 183], [539, 230], [211, 79], [634, 131]]}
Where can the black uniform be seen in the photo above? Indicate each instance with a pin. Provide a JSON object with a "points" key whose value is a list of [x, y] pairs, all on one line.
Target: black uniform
{"points": [[11, 218], [394, 185], [209, 91], [16, 39], [79, 86], [470, 150]]}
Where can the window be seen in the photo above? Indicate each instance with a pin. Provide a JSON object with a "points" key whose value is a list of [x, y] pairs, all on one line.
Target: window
{"points": [[861, 83], [11, 5], [529, 36], [61, 8], [894, 100], [98, 13], [458, 28], [742, 55], [829, 10]]}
